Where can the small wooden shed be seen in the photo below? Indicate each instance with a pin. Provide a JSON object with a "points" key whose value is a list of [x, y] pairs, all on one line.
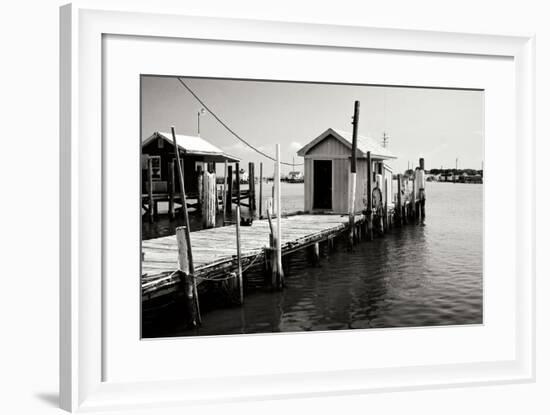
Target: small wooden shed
{"points": [[327, 161], [194, 152]]}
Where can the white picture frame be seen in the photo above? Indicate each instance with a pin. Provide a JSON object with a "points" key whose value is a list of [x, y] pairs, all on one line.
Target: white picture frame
{"points": [[82, 317]]}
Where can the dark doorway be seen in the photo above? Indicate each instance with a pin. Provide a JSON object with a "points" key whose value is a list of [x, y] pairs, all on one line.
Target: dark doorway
{"points": [[322, 184]]}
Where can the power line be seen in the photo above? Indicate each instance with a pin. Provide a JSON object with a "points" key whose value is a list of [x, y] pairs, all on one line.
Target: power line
{"points": [[229, 129]]}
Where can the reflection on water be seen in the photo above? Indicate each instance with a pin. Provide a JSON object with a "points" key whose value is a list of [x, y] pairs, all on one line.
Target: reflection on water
{"points": [[414, 276]]}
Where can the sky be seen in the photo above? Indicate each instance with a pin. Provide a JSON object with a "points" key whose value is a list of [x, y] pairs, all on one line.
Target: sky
{"points": [[440, 125]]}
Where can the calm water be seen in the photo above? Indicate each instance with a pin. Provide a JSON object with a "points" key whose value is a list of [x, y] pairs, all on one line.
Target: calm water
{"points": [[414, 276]]}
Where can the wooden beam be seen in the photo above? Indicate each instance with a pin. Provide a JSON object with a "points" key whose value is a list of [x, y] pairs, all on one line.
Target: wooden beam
{"points": [[209, 200], [186, 219], [200, 185], [251, 189], [261, 187], [224, 194], [150, 187], [186, 276], [229, 195], [238, 182], [172, 191], [277, 186], [239, 264], [353, 175], [369, 197]]}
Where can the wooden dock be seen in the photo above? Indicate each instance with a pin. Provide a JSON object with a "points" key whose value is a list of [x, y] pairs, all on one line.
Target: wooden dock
{"points": [[215, 249]]}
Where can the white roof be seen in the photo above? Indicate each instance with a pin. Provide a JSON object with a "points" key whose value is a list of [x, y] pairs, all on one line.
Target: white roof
{"points": [[364, 144], [191, 144]]}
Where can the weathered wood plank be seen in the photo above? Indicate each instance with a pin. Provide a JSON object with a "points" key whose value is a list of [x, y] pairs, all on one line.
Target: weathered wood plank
{"points": [[215, 251]]}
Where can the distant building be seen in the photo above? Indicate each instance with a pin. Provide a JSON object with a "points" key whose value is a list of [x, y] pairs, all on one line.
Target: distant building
{"points": [[295, 177], [327, 168]]}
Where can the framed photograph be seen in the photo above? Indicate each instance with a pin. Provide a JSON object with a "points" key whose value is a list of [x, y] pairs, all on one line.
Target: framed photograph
{"points": [[257, 209]]}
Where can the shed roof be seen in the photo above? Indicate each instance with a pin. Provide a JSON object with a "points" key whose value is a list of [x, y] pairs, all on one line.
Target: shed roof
{"points": [[193, 145], [364, 144]]}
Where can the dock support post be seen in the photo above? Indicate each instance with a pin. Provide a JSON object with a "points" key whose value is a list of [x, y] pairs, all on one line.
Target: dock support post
{"points": [[277, 185], [209, 200], [172, 191], [422, 192], [150, 188], [353, 176], [187, 228], [224, 193], [238, 184], [261, 187], [407, 215], [399, 208], [251, 190], [186, 276], [229, 195], [200, 186], [314, 252], [184, 266], [385, 218], [369, 197], [239, 264], [414, 189], [271, 258]]}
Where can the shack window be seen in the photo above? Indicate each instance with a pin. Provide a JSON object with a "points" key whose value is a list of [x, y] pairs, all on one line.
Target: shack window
{"points": [[156, 168]]}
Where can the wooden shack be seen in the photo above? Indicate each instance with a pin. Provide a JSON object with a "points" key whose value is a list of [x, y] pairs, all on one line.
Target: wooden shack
{"points": [[195, 153], [327, 161]]}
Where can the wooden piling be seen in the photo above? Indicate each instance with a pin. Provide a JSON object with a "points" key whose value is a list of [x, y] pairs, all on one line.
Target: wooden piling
{"points": [[385, 214], [172, 191], [150, 188], [353, 175], [261, 187], [238, 183], [421, 193], [186, 223], [272, 255], [251, 189], [209, 200], [239, 263], [315, 256], [399, 207], [229, 195], [369, 197], [413, 212], [330, 243], [187, 277], [224, 193], [277, 186]]}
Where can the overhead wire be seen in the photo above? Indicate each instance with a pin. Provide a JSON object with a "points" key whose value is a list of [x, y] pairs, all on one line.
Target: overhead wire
{"points": [[217, 118]]}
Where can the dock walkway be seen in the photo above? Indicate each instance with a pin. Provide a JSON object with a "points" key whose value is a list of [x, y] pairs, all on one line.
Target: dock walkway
{"points": [[215, 249]]}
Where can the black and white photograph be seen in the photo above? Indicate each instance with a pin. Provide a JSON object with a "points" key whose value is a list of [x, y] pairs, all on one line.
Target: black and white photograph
{"points": [[282, 207], [298, 206]]}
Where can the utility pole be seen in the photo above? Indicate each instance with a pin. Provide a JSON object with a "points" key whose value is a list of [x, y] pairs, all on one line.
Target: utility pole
{"points": [[385, 139]]}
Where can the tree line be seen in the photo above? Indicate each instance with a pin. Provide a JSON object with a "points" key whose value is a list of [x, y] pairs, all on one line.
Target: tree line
{"points": [[446, 172]]}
